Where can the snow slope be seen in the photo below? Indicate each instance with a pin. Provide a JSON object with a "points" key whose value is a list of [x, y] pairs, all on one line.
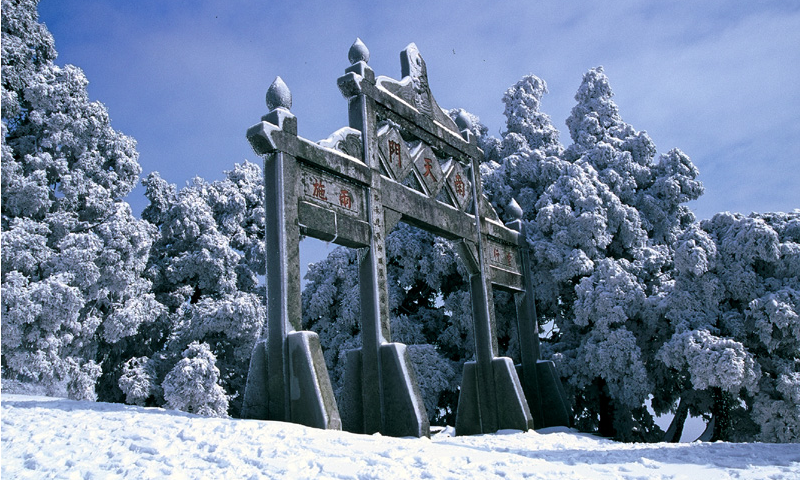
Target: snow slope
{"points": [[55, 438]]}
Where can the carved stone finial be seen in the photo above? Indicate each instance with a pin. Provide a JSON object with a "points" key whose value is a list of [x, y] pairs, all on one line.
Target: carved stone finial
{"points": [[278, 95], [513, 210], [463, 121], [358, 52]]}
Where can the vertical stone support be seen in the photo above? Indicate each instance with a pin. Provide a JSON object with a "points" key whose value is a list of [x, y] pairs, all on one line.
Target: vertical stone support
{"points": [[528, 328], [285, 369], [371, 271], [491, 396], [383, 371], [485, 339], [282, 252], [543, 390]]}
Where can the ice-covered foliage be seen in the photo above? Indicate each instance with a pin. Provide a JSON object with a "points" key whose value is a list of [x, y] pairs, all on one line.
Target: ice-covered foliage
{"points": [[734, 309], [711, 361], [525, 118], [193, 383], [72, 252], [528, 153], [600, 216], [606, 301], [138, 380], [204, 266]]}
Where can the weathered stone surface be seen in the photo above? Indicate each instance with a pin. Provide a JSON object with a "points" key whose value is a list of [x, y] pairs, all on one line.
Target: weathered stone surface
{"points": [[468, 415], [358, 52], [402, 398], [555, 404], [278, 95], [513, 411], [346, 140], [352, 408], [312, 400], [256, 392]]}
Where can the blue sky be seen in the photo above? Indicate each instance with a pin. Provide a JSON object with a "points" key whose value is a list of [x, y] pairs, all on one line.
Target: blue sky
{"points": [[717, 79]]}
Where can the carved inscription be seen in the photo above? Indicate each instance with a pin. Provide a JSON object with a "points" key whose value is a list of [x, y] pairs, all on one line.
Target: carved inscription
{"points": [[394, 153], [460, 185], [428, 172], [503, 256], [323, 188], [428, 167]]}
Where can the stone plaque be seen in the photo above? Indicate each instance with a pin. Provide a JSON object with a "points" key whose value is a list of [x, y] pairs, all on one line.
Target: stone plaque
{"points": [[394, 152], [329, 191], [503, 256]]}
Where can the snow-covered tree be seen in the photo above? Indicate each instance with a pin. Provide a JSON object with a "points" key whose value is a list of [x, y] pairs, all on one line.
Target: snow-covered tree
{"points": [[626, 231], [72, 252], [528, 155], [734, 311], [193, 383], [204, 266], [601, 216]]}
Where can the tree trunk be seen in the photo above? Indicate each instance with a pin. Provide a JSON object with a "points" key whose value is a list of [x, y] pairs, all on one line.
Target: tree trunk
{"points": [[606, 411], [708, 432], [721, 412], [675, 430]]}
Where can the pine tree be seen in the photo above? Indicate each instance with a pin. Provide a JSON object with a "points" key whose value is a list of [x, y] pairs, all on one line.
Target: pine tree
{"points": [[734, 310], [204, 266], [193, 383], [600, 215], [72, 252]]}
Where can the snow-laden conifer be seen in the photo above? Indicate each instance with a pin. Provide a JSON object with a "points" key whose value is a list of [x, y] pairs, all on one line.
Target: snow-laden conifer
{"points": [[600, 215], [205, 266], [734, 309], [72, 252], [193, 383]]}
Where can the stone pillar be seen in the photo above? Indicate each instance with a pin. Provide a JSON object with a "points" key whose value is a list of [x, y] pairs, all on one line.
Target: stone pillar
{"points": [[491, 394], [287, 380], [381, 390], [546, 397]]}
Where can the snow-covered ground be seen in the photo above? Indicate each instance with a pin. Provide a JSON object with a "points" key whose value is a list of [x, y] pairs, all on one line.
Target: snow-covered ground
{"points": [[55, 438]]}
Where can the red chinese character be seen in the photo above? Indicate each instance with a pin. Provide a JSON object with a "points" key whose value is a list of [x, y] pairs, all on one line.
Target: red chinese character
{"points": [[459, 184], [428, 166], [345, 199], [319, 190], [497, 255], [394, 149], [508, 258]]}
